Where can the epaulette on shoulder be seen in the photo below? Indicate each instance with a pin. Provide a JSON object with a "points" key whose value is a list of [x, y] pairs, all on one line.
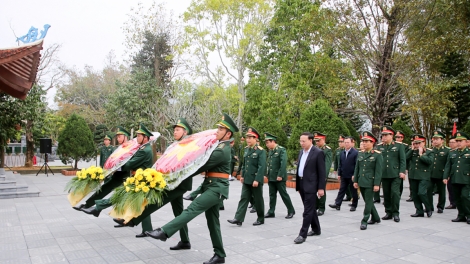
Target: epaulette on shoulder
{"points": [[377, 151], [259, 147], [246, 147], [381, 143], [221, 145], [429, 149], [446, 147], [328, 147], [399, 142], [142, 147], [362, 151]]}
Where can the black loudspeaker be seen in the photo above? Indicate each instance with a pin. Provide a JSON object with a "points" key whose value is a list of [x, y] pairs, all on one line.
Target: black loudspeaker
{"points": [[45, 145]]}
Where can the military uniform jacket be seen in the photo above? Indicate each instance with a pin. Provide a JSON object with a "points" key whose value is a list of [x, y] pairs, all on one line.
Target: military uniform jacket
{"points": [[254, 165], [328, 159], [142, 159], [420, 166], [406, 148], [277, 164], [337, 158], [105, 152], [368, 170], [394, 159], [219, 161], [458, 166], [439, 163]]}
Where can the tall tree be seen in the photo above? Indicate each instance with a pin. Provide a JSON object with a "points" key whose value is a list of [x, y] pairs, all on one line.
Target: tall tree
{"points": [[11, 116], [229, 30]]}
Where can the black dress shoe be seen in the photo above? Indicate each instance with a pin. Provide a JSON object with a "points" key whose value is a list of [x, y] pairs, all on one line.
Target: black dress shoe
{"points": [[121, 222], [350, 204], [375, 201], [92, 211], [311, 233], [468, 221], [440, 211], [215, 259], [387, 217], [269, 216], [79, 207], [181, 245], [189, 198], [157, 234], [253, 210], [363, 227], [320, 213], [371, 222], [417, 215], [289, 216], [409, 199], [251, 206], [352, 209], [141, 235], [258, 223], [451, 207], [335, 206], [459, 219], [396, 218], [429, 213], [235, 222], [222, 208], [300, 240]]}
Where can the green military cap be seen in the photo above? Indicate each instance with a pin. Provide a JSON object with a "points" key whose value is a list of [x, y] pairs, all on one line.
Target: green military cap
{"points": [[122, 131], [144, 130], [317, 135], [268, 136], [228, 123], [367, 135], [107, 136], [438, 134], [461, 135], [418, 138], [400, 133], [385, 130], [252, 132], [184, 124]]}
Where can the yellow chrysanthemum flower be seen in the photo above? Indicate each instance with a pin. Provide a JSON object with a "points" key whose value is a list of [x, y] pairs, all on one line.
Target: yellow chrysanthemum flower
{"points": [[136, 183], [162, 185], [139, 171], [128, 189], [149, 178], [137, 189], [139, 177], [131, 179], [93, 176], [125, 183], [145, 189], [101, 177], [153, 184]]}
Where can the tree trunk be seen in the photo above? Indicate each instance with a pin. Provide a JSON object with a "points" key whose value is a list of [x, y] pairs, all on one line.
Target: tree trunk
{"points": [[2, 154], [76, 164], [29, 144]]}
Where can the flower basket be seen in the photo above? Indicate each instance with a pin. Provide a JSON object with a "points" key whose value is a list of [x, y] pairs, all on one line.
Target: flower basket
{"points": [[145, 187], [83, 183]]}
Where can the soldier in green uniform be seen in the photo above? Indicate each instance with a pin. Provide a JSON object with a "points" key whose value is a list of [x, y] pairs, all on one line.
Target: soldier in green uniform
{"points": [[394, 168], [457, 171], [215, 188], [452, 205], [111, 182], [277, 176], [252, 171], [106, 150], [320, 142], [367, 177], [142, 159], [180, 131], [336, 162], [421, 160], [437, 170], [399, 137]]}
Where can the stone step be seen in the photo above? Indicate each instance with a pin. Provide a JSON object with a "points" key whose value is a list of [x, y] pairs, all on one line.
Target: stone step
{"points": [[16, 188], [2, 178], [7, 183], [22, 194]]}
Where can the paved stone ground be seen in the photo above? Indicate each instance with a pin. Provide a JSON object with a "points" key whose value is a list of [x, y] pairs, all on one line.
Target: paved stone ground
{"points": [[47, 230]]}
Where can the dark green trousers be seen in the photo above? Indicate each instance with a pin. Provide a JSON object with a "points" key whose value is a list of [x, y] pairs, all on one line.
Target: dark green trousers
{"points": [[207, 202], [369, 208], [462, 199], [441, 190], [274, 188], [247, 192], [105, 203], [109, 184], [175, 197], [420, 195], [376, 195], [198, 191], [391, 191]]}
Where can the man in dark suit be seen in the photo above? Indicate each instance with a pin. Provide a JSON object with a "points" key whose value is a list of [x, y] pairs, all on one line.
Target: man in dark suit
{"points": [[310, 178], [348, 158]]}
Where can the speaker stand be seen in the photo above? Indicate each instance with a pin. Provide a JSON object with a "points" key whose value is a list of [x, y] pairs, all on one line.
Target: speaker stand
{"points": [[45, 166]]}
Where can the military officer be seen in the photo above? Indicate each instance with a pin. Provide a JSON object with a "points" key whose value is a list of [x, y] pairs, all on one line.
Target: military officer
{"points": [[180, 131], [320, 142], [111, 182], [452, 205], [399, 137], [277, 176], [367, 177], [215, 188], [437, 170], [106, 150], [421, 160], [457, 171], [394, 168], [252, 171], [142, 159], [336, 164]]}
